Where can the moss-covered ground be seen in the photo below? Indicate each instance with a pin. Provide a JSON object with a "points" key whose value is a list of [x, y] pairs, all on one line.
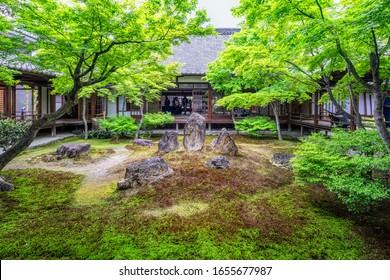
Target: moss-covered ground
{"points": [[251, 211]]}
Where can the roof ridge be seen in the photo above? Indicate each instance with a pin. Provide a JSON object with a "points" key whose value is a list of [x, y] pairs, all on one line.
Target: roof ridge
{"points": [[227, 31]]}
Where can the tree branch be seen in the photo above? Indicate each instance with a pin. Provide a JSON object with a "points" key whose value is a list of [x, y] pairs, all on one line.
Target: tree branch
{"points": [[319, 6], [351, 66], [304, 72], [377, 55], [101, 78], [302, 12]]}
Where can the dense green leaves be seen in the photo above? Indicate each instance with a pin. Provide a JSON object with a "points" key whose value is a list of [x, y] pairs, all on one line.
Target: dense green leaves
{"points": [[120, 125], [256, 125], [354, 165], [156, 120], [10, 132]]}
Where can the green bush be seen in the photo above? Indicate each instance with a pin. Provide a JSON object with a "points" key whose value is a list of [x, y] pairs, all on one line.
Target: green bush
{"points": [[156, 120], [10, 132], [254, 125], [120, 125], [101, 133], [354, 165]]}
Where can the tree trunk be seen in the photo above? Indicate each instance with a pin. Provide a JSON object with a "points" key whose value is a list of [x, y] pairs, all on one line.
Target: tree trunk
{"points": [[123, 106], [357, 117], [274, 106], [380, 119], [32, 131], [85, 118], [376, 88], [140, 122]]}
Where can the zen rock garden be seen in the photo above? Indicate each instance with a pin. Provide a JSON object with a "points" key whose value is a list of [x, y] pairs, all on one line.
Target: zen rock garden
{"points": [[155, 168]]}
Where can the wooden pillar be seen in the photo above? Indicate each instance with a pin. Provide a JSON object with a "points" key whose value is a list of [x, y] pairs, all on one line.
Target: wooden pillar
{"points": [[365, 103], [79, 109], [13, 102], [144, 105], [93, 106], [8, 102], [289, 116], [209, 104], [117, 106], [52, 103], [40, 103], [316, 108], [106, 109]]}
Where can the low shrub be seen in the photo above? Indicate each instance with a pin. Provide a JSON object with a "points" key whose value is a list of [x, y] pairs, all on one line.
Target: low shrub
{"points": [[121, 126], [353, 164], [253, 126], [101, 133], [157, 120], [11, 131]]}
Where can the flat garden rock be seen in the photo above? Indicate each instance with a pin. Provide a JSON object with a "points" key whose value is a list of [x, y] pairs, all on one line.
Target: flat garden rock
{"points": [[218, 162], [168, 142], [282, 160], [72, 150], [5, 186], [143, 142], [224, 144], [194, 132], [149, 171]]}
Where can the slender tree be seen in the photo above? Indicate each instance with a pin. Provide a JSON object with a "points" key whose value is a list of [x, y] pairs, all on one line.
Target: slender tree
{"points": [[85, 41], [249, 78], [321, 37]]}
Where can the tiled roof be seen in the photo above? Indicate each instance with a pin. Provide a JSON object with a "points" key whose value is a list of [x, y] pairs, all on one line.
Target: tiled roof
{"points": [[200, 51]]}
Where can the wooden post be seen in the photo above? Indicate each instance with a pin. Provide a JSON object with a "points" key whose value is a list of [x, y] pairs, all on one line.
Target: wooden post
{"points": [[315, 109], [40, 103], [8, 102], [13, 104], [93, 106], [289, 116], [209, 104]]}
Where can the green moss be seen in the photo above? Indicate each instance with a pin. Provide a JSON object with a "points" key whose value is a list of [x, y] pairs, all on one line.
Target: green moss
{"points": [[198, 213]]}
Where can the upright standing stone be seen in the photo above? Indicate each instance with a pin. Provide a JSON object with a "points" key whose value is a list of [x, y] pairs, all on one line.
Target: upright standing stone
{"points": [[224, 144], [194, 132], [168, 142]]}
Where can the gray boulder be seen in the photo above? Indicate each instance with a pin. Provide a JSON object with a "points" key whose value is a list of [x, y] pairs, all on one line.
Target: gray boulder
{"points": [[282, 160], [218, 162], [143, 142], [168, 142], [140, 174], [72, 150], [4, 186], [224, 144], [95, 124], [194, 132]]}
